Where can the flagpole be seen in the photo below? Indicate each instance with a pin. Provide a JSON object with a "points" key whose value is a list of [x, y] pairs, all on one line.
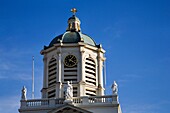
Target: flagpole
{"points": [[33, 77]]}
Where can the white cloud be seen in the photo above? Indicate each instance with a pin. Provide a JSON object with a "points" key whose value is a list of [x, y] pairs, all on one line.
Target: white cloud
{"points": [[16, 70], [22, 76], [3, 77], [6, 66], [132, 76], [14, 52], [9, 104], [145, 108], [137, 108], [122, 81], [128, 77], [10, 71]]}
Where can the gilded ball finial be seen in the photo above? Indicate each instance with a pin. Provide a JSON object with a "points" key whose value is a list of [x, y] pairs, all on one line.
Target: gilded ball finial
{"points": [[74, 10]]}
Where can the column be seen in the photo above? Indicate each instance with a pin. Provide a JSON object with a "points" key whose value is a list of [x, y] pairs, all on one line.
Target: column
{"points": [[59, 67], [45, 85], [82, 75], [45, 78], [81, 88], [100, 74]]}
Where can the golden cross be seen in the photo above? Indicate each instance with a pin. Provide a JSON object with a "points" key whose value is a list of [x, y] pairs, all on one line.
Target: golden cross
{"points": [[74, 10]]}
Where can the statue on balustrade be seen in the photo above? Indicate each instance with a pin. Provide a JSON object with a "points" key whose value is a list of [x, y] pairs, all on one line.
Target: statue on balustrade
{"points": [[24, 93], [68, 91], [114, 88]]}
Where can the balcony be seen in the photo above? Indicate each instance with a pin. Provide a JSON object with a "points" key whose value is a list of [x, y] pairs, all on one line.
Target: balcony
{"points": [[76, 101]]}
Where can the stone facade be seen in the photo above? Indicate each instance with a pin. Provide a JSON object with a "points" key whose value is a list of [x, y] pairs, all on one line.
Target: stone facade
{"points": [[82, 52]]}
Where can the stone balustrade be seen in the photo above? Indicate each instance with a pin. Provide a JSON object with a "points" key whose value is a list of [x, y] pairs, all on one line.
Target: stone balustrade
{"points": [[85, 100]]}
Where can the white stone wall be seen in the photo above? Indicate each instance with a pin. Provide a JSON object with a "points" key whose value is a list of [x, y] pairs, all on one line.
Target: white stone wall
{"points": [[94, 109], [59, 52]]}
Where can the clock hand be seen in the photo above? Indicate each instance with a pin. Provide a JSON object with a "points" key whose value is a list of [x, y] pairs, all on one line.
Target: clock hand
{"points": [[73, 61], [71, 58]]}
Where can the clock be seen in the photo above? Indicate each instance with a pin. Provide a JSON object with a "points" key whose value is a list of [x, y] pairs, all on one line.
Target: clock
{"points": [[70, 61]]}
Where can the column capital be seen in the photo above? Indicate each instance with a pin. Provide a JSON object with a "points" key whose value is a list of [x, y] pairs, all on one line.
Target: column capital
{"points": [[82, 50], [82, 82], [101, 58]]}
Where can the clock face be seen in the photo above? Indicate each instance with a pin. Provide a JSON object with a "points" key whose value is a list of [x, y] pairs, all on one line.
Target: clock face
{"points": [[70, 61]]}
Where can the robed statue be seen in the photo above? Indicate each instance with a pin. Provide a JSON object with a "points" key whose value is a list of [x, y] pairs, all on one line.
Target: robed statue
{"points": [[114, 87], [68, 91], [24, 93]]}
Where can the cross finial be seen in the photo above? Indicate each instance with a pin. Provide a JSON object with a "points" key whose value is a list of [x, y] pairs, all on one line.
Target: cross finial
{"points": [[74, 10]]}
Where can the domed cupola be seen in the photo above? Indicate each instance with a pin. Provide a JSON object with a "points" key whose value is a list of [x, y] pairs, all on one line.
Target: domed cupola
{"points": [[73, 33], [73, 22]]}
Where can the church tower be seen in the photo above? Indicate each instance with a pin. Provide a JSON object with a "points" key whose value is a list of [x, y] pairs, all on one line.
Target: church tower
{"points": [[75, 57], [72, 59]]}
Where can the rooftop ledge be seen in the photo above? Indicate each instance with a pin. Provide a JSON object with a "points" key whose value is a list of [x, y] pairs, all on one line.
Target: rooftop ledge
{"points": [[76, 101]]}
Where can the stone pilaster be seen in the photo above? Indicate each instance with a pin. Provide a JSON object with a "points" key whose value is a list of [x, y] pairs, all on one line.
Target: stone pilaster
{"points": [[45, 78], [82, 74], [100, 72], [59, 76]]}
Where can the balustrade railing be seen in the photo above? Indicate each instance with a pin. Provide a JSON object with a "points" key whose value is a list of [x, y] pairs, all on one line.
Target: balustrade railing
{"points": [[101, 99], [59, 101], [76, 101], [37, 102]]}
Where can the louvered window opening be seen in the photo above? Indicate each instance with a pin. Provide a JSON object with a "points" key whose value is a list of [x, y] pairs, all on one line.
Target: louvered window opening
{"points": [[70, 74], [52, 71], [90, 92], [51, 94], [90, 72], [74, 91]]}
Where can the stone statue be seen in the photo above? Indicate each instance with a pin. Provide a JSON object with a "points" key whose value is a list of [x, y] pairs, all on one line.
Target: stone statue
{"points": [[68, 91], [114, 88], [24, 93]]}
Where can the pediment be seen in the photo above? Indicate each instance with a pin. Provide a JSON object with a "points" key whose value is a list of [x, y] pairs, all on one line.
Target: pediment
{"points": [[69, 109]]}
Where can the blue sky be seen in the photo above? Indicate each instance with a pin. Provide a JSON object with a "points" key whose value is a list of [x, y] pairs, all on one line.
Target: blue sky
{"points": [[134, 33]]}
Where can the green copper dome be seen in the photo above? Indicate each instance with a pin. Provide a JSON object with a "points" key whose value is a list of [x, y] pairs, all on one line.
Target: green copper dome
{"points": [[72, 37], [73, 33]]}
